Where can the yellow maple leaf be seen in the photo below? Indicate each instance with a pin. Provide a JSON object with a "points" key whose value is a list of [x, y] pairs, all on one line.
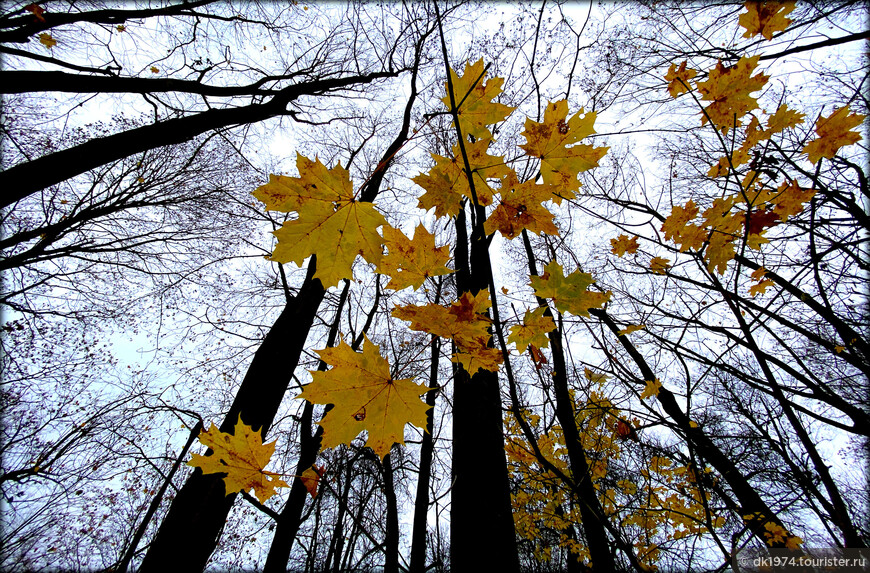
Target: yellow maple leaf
{"points": [[677, 220], [720, 251], [520, 207], [410, 262], [241, 455], [549, 141], [659, 265], [674, 77], [533, 330], [623, 245], [364, 397], [783, 119], [596, 377], [651, 389], [761, 287], [155, 70], [765, 18], [570, 294], [47, 40], [331, 224], [474, 98], [729, 88], [834, 133], [440, 191]]}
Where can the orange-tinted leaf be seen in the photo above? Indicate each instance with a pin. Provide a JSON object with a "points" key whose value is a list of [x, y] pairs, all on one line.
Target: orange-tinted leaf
{"points": [[37, 12], [311, 478], [626, 431]]}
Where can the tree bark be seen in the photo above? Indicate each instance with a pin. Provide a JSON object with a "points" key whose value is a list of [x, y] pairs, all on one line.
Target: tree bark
{"points": [[427, 448], [391, 540]]}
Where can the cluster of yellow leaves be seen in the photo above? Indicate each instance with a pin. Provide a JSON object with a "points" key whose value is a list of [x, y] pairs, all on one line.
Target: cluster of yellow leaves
{"points": [[555, 141], [464, 322], [365, 397], [571, 293], [761, 283], [733, 218], [242, 456], [773, 532], [662, 502]]}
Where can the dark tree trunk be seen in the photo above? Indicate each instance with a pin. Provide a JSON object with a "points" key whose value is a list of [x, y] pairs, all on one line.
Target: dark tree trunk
{"points": [[190, 531], [391, 541], [421, 505], [591, 513], [482, 535]]}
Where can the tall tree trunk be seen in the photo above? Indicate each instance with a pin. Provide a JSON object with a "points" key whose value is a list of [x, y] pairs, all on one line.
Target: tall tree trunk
{"points": [[290, 518], [391, 541], [421, 504], [189, 532], [481, 488], [591, 513]]}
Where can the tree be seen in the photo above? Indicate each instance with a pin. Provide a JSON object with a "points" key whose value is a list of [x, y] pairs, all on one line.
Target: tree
{"points": [[670, 391]]}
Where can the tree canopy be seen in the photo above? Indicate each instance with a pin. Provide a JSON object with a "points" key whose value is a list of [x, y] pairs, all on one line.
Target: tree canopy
{"points": [[432, 286]]}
